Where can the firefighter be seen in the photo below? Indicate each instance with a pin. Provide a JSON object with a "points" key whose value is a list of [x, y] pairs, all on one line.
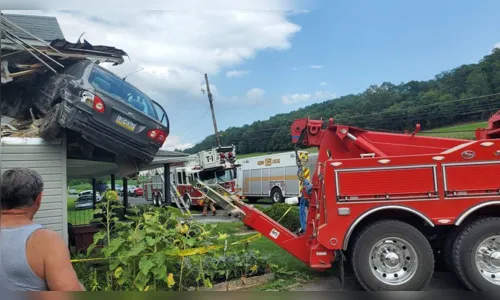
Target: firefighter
{"points": [[206, 203]]}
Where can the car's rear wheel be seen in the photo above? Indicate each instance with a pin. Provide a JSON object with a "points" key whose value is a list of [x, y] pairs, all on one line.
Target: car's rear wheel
{"points": [[49, 128]]}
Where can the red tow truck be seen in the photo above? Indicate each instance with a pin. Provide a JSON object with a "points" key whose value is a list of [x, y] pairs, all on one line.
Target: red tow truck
{"points": [[393, 204]]}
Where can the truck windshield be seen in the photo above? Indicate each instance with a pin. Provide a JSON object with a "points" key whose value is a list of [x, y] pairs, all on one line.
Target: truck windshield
{"points": [[108, 82], [224, 176]]}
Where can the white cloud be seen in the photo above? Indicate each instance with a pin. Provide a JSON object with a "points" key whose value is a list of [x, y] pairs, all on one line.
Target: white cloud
{"points": [[323, 83], [295, 68], [311, 98], [174, 142], [316, 66], [176, 48], [295, 98], [237, 73], [497, 45], [255, 94]]}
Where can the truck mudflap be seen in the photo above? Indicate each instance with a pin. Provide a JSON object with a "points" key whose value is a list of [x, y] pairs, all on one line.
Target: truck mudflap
{"points": [[303, 247]]}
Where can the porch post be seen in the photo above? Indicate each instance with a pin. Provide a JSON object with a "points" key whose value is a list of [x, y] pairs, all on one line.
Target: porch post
{"points": [[94, 193], [113, 182], [166, 181], [125, 193]]}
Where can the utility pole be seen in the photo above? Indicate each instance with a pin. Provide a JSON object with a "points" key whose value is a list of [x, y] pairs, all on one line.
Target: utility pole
{"points": [[211, 101]]}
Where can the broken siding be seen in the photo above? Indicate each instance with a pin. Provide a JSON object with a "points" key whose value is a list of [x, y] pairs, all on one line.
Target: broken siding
{"points": [[50, 161]]}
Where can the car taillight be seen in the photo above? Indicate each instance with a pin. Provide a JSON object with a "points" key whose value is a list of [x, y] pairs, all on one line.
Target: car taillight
{"points": [[93, 101], [157, 135]]}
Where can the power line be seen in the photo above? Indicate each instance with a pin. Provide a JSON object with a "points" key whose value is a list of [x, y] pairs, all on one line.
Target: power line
{"points": [[194, 123]]}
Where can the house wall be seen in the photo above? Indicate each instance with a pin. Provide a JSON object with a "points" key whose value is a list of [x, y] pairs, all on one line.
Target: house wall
{"points": [[49, 159]]}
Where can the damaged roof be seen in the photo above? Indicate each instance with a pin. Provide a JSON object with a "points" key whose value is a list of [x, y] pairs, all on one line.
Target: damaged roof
{"points": [[44, 27]]}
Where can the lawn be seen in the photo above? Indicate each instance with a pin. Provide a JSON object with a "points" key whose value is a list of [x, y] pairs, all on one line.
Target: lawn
{"points": [[78, 217], [464, 131]]}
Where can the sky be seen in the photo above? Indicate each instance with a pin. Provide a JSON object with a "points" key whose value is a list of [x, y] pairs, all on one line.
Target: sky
{"points": [[274, 57]]}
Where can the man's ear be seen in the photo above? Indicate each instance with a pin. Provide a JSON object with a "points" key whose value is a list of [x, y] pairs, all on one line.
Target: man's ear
{"points": [[38, 200]]}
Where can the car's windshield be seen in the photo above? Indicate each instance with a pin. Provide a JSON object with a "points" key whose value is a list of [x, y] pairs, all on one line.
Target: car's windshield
{"points": [[120, 89]]}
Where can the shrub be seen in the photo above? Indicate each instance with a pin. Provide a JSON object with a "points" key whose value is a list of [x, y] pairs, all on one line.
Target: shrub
{"points": [[291, 220]]}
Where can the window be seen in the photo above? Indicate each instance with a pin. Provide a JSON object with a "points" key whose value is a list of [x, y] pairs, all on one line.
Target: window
{"points": [[160, 112], [120, 89]]}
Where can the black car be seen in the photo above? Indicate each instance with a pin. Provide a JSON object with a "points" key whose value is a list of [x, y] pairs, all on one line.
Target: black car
{"points": [[106, 110]]}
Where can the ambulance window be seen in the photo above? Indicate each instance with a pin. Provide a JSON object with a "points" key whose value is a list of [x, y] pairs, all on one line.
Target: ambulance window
{"points": [[179, 178]]}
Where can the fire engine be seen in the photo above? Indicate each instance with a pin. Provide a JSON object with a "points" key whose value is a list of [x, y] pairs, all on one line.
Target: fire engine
{"points": [[213, 166], [393, 204]]}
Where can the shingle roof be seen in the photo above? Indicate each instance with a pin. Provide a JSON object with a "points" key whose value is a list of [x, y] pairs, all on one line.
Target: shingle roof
{"points": [[43, 27]]}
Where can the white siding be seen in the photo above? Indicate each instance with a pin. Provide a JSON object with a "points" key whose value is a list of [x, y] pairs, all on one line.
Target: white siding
{"points": [[50, 161]]}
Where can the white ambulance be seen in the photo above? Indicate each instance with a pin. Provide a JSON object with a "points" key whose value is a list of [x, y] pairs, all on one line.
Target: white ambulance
{"points": [[270, 176]]}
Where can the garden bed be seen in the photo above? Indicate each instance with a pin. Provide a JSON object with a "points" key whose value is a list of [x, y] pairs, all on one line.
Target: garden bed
{"points": [[239, 284]]}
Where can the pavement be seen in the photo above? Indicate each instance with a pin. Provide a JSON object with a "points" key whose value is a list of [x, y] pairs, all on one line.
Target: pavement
{"points": [[441, 281]]}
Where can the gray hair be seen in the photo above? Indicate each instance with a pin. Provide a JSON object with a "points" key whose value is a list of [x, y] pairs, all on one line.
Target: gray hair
{"points": [[19, 188]]}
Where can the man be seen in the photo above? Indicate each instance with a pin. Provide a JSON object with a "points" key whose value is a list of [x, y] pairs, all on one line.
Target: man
{"points": [[31, 258], [206, 203]]}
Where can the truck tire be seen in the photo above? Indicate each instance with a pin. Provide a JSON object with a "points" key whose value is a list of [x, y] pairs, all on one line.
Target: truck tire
{"points": [[476, 255], [448, 248], [392, 255], [276, 195], [49, 128], [187, 200]]}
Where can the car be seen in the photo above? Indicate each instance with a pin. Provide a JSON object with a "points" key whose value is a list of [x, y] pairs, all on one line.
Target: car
{"points": [[138, 192], [105, 110], [84, 202], [89, 193], [73, 192]]}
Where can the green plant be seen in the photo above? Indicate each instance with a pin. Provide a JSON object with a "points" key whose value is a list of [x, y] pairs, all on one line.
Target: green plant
{"points": [[277, 212], [156, 249]]}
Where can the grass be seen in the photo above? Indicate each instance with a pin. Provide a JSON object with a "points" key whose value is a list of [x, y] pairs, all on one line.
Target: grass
{"points": [[88, 186], [78, 217], [464, 131]]}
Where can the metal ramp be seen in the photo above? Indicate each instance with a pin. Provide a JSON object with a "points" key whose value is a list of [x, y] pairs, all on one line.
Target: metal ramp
{"points": [[221, 196]]}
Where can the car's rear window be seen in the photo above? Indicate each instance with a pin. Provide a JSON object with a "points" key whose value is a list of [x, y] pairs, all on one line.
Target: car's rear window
{"points": [[120, 89]]}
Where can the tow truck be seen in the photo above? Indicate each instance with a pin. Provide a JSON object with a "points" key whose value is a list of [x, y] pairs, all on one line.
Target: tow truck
{"points": [[392, 204]]}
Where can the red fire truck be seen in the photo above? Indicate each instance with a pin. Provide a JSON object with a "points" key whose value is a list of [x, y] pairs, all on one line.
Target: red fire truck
{"points": [[394, 203], [213, 166]]}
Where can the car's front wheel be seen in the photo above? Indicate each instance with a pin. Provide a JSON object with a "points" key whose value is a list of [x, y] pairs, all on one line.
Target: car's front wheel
{"points": [[49, 128]]}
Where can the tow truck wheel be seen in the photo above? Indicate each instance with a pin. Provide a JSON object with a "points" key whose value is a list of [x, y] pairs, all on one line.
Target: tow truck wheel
{"points": [[476, 255], [392, 255], [276, 195]]}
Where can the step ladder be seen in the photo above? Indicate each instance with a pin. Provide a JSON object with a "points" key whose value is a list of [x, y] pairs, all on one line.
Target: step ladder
{"points": [[179, 201]]}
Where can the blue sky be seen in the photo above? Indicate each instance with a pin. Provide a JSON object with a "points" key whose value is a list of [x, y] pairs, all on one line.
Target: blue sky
{"points": [[353, 44], [366, 42]]}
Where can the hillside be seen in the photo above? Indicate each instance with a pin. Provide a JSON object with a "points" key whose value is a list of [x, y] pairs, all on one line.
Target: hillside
{"points": [[469, 93]]}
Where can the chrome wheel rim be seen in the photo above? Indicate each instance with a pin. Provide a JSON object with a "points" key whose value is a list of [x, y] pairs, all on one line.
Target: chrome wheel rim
{"points": [[393, 261], [276, 197], [487, 259]]}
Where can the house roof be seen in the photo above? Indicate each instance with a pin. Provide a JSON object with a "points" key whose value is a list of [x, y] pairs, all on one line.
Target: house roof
{"points": [[43, 27]]}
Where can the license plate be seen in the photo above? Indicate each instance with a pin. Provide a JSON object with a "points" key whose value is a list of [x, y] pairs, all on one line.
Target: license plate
{"points": [[125, 123]]}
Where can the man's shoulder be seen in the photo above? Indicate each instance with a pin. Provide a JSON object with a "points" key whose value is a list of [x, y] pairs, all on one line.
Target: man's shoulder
{"points": [[48, 237]]}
